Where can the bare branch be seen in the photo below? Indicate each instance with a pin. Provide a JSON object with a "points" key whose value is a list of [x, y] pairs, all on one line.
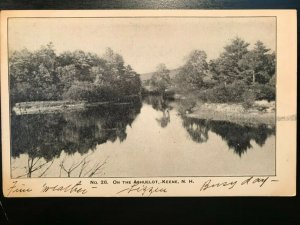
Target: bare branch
{"points": [[46, 168], [36, 162], [97, 168], [84, 165]]}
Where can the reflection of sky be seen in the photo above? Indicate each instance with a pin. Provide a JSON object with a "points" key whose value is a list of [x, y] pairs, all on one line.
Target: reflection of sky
{"points": [[150, 150]]}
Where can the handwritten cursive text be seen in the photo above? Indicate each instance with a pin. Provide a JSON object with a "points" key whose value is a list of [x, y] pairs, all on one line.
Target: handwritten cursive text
{"points": [[18, 188], [143, 190], [75, 188], [208, 184]]}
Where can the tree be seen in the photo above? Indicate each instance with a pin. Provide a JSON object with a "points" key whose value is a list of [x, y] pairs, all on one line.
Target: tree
{"points": [[42, 76], [226, 68], [97, 72], [33, 75], [132, 81], [21, 73], [258, 64], [114, 64], [160, 80], [67, 76], [191, 74], [272, 81]]}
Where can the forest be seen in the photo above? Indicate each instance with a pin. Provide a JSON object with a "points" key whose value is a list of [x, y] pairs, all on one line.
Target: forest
{"points": [[104, 84], [239, 75], [43, 75]]}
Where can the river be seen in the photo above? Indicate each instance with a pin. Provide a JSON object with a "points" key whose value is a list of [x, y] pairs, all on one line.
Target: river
{"points": [[144, 139]]}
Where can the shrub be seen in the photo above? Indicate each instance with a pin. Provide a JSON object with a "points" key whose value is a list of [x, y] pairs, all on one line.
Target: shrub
{"points": [[186, 105], [238, 91], [248, 99], [272, 81], [90, 92], [264, 91], [221, 93]]}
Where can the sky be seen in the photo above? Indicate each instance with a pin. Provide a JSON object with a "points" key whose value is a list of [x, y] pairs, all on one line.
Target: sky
{"points": [[143, 42]]}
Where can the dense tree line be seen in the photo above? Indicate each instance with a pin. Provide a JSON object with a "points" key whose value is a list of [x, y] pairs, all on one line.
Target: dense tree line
{"points": [[43, 75], [239, 74]]}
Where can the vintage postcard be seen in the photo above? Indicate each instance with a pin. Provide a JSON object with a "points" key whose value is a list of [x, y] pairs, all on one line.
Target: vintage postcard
{"points": [[148, 103]]}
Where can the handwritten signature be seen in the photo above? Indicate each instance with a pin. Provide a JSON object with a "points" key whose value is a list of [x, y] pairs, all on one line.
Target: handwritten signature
{"points": [[143, 190]]}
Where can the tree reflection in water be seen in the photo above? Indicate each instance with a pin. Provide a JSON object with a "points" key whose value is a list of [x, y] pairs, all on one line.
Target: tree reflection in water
{"points": [[43, 137], [237, 136], [65, 142], [159, 103], [197, 129]]}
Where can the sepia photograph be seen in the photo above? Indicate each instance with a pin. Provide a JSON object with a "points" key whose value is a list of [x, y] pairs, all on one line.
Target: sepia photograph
{"points": [[148, 103], [142, 97]]}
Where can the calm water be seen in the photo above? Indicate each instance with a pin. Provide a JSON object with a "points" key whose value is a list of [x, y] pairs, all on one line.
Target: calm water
{"points": [[137, 140]]}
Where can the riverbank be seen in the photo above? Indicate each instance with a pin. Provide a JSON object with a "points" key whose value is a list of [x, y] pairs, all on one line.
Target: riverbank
{"points": [[260, 112], [44, 107]]}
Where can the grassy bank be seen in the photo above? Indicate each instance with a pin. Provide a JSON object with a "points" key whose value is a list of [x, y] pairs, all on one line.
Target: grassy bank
{"points": [[258, 113], [37, 107], [46, 107]]}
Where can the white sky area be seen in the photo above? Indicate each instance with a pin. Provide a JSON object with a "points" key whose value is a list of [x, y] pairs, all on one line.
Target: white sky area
{"points": [[143, 42]]}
